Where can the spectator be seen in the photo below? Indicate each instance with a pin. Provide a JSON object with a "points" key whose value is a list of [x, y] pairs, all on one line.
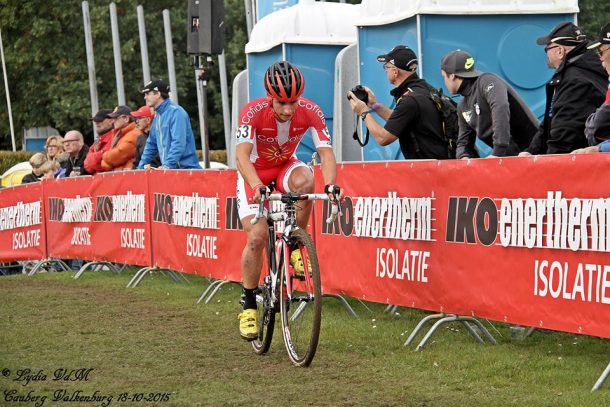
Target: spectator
{"points": [[171, 136], [122, 150], [104, 126], [62, 160], [49, 169], [491, 109], [597, 127], [415, 121], [143, 117], [54, 146], [36, 162], [576, 89], [74, 145]]}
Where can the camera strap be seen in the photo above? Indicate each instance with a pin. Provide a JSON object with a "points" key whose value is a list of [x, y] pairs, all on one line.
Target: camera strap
{"points": [[357, 138]]}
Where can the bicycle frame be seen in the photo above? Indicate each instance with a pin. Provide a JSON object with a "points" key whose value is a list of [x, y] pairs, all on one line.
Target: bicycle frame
{"points": [[278, 240]]}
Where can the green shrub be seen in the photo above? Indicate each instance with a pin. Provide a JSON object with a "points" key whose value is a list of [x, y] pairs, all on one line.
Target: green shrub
{"points": [[219, 156], [10, 158]]}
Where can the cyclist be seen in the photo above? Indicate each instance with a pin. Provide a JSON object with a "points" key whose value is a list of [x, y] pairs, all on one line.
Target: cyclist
{"points": [[270, 130]]}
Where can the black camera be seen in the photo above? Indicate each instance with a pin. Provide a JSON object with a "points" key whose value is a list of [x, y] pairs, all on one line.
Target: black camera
{"points": [[360, 93]]}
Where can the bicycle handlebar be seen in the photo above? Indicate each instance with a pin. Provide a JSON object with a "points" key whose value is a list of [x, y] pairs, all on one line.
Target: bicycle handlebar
{"points": [[292, 197]]}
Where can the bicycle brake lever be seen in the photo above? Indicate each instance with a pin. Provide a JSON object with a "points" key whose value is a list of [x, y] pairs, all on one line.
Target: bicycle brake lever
{"points": [[333, 213], [261, 208]]}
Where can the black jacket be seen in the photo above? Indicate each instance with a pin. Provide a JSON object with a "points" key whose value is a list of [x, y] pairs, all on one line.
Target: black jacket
{"points": [[597, 128], [416, 121], [79, 161], [31, 177], [574, 92], [492, 110], [140, 144]]}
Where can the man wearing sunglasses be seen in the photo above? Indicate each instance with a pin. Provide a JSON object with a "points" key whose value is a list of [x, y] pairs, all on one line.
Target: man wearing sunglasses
{"points": [[598, 124], [576, 89]]}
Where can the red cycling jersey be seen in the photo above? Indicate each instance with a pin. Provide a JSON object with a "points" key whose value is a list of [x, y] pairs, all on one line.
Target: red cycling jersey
{"points": [[275, 142]]}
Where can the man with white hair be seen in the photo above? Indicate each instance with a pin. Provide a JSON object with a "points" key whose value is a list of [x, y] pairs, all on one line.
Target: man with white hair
{"points": [[74, 145]]}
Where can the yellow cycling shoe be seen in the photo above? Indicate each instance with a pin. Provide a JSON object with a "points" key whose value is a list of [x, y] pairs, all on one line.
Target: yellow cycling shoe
{"points": [[297, 263], [248, 324]]}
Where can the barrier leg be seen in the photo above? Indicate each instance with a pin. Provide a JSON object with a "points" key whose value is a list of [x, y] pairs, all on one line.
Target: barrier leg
{"points": [[63, 265], [96, 266], [343, 302], [598, 384], [140, 274], [136, 277], [419, 326], [298, 311], [45, 262], [207, 290], [218, 287], [472, 332], [390, 309], [35, 269], [364, 305], [436, 325], [179, 277], [482, 328], [457, 318]]}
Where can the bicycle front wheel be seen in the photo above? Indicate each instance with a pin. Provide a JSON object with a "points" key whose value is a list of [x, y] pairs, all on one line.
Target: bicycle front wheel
{"points": [[301, 300]]}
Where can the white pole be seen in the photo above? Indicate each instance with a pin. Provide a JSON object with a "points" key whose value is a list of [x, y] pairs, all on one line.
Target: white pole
{"points": [[224, 92], [116, 47], [8, 96], [90, 64], [169, 49], [143, 45]]}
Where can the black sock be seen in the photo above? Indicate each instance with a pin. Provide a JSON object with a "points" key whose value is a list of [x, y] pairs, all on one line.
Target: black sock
{"points": [[249, 298]]}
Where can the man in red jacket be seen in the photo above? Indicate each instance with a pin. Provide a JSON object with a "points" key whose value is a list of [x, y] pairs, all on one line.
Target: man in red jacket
{"points": [[104, 126]]}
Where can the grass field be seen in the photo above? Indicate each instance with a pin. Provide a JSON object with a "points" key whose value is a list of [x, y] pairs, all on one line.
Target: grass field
{"points": [[153, 343]]}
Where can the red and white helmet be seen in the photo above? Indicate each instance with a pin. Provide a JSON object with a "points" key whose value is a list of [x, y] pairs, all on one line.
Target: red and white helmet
{"points": [[284, 82]]}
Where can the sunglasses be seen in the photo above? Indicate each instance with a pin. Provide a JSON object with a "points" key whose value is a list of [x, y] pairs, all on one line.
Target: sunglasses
{"points": [[550, 47]]}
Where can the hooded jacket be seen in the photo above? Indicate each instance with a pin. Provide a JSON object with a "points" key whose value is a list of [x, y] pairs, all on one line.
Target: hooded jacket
{"points": [[493, 111], [171, 137], [576, 89]]}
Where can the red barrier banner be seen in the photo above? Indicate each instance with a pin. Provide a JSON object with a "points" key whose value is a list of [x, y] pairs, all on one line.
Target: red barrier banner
{"points": [[513, 239], [22, 230], [105, 217], [195, 226]]}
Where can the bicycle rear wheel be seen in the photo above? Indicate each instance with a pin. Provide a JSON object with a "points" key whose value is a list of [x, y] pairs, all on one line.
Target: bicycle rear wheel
{"points": [[266, 320], [301, 304]]}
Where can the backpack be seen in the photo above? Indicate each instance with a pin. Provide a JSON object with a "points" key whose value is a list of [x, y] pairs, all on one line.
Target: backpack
{"points": [[448, 110]]}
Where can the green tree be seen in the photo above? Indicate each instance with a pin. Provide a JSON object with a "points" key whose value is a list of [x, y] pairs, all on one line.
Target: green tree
{"points": [[594, 14], [47, 66]]}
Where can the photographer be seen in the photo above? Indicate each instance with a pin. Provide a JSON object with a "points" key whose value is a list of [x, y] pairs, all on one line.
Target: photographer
{"points": [[415, 121]]}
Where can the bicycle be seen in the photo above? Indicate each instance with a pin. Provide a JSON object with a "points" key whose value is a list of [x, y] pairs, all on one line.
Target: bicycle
{"points": [[283, 287]]}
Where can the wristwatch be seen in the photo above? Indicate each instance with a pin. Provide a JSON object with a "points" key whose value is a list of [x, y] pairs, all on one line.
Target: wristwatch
{"points": [[363, 115]]}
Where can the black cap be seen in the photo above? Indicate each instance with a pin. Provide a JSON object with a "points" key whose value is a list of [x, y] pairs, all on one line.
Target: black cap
{"points": [[157, 85], [101, 115], [565, 33], [604, 37], [120, 111], [460, 63], [401, 56]]}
